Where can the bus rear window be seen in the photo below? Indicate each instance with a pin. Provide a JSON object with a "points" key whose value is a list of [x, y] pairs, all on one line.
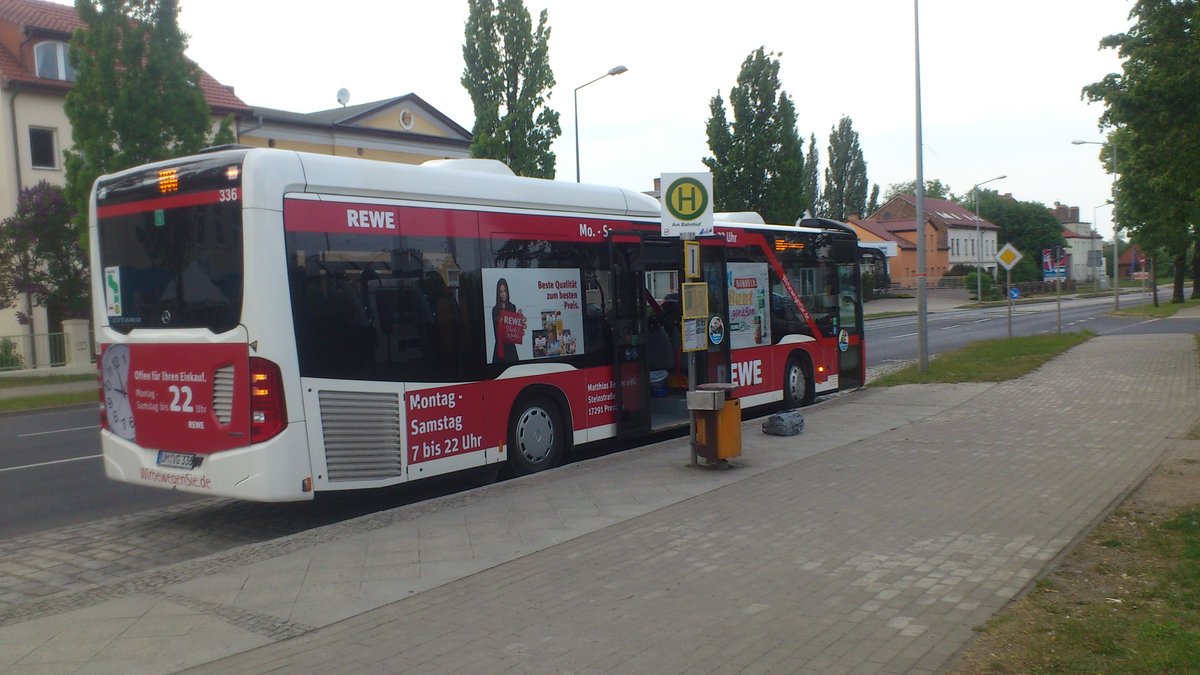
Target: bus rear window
{"points": [[175, 267]]}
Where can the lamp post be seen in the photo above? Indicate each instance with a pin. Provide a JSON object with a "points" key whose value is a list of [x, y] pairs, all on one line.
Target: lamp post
{"points": [[979, 242], [1096, 274], [615, 70], [922, 284], [1116, 274]]}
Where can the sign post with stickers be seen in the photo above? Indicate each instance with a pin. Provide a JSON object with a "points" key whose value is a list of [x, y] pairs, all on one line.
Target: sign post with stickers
{"points": [[1008, 257]]}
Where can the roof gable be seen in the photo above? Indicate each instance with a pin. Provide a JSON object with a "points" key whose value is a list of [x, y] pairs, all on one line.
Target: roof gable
{"points": [[408, 114]]}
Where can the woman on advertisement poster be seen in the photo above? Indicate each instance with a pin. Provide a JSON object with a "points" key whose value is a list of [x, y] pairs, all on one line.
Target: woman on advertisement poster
{"points": [[508, 325]]}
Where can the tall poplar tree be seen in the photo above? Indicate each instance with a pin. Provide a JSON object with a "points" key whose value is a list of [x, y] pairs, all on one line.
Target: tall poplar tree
{"points": [[508, 77], [812, 178], [757, 161], [872, 201], [845, 191], [136, 97]]}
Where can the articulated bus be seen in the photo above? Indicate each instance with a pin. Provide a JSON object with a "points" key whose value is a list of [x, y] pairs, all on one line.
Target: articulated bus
{"points": [[274, 324]]}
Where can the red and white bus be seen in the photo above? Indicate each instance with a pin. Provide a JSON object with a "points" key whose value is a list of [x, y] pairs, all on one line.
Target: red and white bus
{"points": [[275, 324]]}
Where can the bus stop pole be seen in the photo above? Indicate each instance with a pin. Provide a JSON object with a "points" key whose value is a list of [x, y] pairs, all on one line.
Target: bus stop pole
{"points": [[1008, 289], [692, 413]]}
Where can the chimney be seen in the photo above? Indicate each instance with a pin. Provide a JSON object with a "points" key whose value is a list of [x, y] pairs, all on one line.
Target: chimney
{"points": [[1074, 214], [658, 185]]}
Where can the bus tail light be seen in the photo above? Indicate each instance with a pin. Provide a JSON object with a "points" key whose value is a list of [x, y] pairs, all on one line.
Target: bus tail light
{"points": [[268, 413]]}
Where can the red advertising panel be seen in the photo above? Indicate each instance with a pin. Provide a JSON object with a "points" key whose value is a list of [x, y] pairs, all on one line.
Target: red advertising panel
{"points": [[444, 421], [190, 398]]}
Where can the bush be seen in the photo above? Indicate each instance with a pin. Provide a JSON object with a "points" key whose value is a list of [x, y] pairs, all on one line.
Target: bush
{"points": [[10, 358], [984, 284]]}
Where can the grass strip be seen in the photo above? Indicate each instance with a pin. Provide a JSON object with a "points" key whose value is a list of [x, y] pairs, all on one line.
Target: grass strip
{"points": [[1125, 602], [48, 401], [1164, 309], [33, 380], [988, 360]]}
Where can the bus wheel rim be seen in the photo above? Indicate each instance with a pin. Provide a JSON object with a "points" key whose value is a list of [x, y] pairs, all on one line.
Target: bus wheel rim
{"points": [[535, 435], [796, 382]]}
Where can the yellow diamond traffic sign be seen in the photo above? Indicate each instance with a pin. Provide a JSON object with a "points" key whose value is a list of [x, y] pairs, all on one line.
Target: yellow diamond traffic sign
{"points": [[1008, 256]]}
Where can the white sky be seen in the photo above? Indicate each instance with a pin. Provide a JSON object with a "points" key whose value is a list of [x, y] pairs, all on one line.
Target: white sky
{"points": [[1001, 81]]}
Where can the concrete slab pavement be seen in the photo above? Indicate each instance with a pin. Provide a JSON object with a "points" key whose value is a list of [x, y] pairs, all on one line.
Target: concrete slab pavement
{"points": [[872, 542]]}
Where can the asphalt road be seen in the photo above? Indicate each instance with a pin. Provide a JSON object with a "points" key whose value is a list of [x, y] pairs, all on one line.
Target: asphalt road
{"points": [[894, 339], [51, 473]]}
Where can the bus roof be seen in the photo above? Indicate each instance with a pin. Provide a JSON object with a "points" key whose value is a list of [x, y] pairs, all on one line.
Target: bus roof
{"points": [[465, 182]]}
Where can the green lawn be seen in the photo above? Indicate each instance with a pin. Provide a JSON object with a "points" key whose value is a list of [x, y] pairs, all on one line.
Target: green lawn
{"points": [[31, 380], [988, 360], [48, 400], [1165, 308]]}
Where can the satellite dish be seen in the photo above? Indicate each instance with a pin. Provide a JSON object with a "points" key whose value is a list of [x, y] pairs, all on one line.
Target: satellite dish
{"points": [[343, 96]]}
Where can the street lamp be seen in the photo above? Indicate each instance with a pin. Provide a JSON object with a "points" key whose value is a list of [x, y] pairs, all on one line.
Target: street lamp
{"points": [[979, 242], [1096, 274], [615, 70], [922, 282], [1116, 274]]}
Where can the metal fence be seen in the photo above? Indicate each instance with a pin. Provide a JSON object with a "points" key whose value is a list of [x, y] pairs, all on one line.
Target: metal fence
{"points": [[24, 352]]}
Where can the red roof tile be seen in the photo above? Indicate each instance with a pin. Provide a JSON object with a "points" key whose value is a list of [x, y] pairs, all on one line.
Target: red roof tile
{"points": [[62, 19], [885, 234], [37, 14], [951, 213]]}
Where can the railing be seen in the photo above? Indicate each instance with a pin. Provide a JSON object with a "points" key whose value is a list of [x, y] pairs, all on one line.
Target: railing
{"points": [[24, 352]]}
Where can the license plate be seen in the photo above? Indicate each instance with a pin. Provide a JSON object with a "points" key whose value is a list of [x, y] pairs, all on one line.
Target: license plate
{"points": [[178, 460]]}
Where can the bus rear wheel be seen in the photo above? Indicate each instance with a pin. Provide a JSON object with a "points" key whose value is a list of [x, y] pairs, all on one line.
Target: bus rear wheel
{"points": [[797, 385], [536, 436]]}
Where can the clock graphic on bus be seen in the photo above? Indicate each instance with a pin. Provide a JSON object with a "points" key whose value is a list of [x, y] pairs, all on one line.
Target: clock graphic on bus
{"points": [[117, 407]]}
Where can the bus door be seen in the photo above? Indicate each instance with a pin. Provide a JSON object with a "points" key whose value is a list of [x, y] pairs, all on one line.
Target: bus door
{"points": [[628, 320], [851, 366], [713, 365]]}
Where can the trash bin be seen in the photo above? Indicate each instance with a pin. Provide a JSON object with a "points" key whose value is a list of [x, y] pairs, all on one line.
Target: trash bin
{"points": [[718, 422]]}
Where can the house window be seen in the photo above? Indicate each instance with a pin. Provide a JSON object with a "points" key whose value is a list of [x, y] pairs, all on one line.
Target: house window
{"points": [[52, 61], [41, 148]]}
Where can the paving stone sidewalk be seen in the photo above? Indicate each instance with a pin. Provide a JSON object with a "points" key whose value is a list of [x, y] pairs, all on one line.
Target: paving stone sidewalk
{"points": [[817, 554]]}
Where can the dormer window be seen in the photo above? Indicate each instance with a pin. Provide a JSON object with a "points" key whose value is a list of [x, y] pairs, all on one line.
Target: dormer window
{"points": [[52, 61]]}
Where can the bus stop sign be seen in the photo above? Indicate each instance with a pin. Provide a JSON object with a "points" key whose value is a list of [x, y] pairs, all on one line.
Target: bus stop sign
{"points": [[687, 205]]}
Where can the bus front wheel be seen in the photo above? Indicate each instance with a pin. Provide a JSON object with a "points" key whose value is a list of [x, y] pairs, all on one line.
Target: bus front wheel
{"points": [[797, 385], [536, 436]]}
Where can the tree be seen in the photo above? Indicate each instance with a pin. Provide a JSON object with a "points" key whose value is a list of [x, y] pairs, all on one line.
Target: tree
{"points": [[41, 261], [1152, 114], [757, 162], [845, 192], [812, 178], [136, 97], [873, 200], [1029, 226], [508, 77], [934, 189]]}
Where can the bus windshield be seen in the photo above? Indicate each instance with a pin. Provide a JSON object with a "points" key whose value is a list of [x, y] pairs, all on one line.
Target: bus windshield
{"points": [[170, 262]]}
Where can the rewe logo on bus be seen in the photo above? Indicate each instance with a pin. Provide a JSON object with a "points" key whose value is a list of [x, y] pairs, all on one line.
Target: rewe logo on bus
{"points": [[746, 373], [372, 220]]}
